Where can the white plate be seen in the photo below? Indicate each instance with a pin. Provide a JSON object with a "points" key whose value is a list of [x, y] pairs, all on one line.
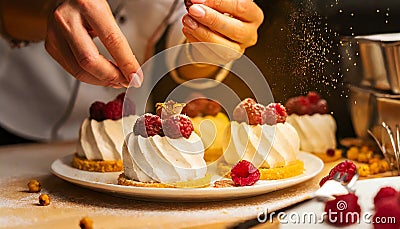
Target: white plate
{"points": [[365, 190], [107, 182]]}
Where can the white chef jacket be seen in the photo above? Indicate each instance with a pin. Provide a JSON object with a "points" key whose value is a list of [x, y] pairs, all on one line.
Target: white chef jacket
{"points": [[40, 100]]}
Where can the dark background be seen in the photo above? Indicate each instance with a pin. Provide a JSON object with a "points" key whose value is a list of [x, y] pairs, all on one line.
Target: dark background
{"points": [[292, 51]]}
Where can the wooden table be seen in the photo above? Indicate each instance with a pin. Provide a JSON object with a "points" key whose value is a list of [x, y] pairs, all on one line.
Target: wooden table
{"points": [[69, 203]]}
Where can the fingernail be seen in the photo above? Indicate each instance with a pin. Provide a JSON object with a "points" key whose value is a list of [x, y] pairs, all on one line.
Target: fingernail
{"points": [[198, 1], [136, 81], [197, 11], [190, 22], [186, 30]]}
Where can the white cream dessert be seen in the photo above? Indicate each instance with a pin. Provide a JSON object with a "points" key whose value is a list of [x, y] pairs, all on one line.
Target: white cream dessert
{"points": [[263, 145], [102, 135], [316, 128], [163, 151], [317, 131], [164, 160], [103, 140], [261, 136]]}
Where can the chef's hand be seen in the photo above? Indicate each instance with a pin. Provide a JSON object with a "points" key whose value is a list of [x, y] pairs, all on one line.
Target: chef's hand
{"points": [[70, 30], [230, 23]]}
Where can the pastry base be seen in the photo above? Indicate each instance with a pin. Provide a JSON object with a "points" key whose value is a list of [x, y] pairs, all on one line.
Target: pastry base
{"points": [[295, 168], [200, 183], [326, 158], [97, 166]]}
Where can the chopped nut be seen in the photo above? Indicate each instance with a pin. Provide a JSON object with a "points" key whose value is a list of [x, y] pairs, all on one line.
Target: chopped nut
{"points": [[86, 223], [363, 170], [44, 199], [34, 186]]}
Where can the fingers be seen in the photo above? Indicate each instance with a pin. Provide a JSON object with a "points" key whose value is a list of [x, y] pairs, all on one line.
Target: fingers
{"points": [[237, 20], [100, 19], [60, 50], [244, 10], [77, 21], [212, 51]]}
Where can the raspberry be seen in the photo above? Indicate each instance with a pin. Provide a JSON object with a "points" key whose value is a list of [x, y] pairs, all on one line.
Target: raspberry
{"points": [[343, 210], [330, 152], [383, 193], [323, 180], [250, 112], [120, 97], [177, 126], [129, 105], [195, 107], [387, 209], [191, 110], [342, 168], [148, 125], [113, 110], [291, 106], [303, 106], [245, 173], [275, 113], [212, 108], [313, 97], [96, 111], [321, 107]]}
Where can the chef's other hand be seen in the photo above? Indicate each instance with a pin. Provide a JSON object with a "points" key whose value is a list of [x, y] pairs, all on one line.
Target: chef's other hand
{"points": [[230, 23], [70, 30]]}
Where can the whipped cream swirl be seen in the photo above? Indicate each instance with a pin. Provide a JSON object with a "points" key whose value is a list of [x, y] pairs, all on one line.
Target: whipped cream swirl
{"points": [[316, 132], [267, 146], [163, 159], [103, 140]]}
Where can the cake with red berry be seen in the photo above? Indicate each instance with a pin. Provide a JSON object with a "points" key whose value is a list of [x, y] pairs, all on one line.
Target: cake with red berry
{"points": [[101, 135], [315, 126], [260, 135], [163, 151], [208, 121]]}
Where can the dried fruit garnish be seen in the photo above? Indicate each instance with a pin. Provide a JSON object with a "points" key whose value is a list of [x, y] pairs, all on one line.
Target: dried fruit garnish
{"points": [[244, 173], [168, 109]]}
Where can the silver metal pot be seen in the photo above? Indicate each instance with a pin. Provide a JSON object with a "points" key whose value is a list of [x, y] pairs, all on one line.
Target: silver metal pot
{"points": [[380, 59], [370, 107]]}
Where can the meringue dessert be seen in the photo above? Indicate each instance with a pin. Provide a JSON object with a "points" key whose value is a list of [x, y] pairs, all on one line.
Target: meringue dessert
{"points": [[164, 152], [208, 121], [101, 136], [316, 128], [261, 136]]}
